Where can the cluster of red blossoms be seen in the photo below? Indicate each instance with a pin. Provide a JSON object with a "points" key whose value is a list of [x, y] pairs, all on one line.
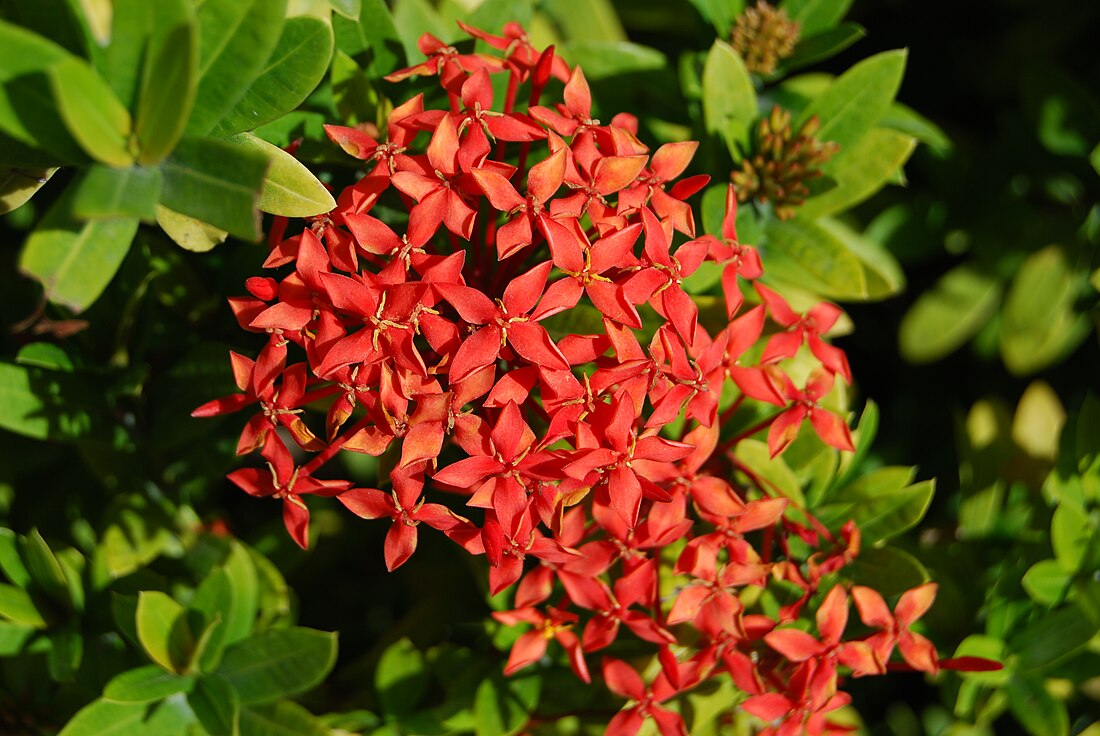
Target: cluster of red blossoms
{"points": [[435, 345]]}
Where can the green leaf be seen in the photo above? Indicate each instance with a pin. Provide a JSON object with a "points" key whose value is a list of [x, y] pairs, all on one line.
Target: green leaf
{"points": [[1039, 712], [164, 630], [289, 189], [237, 38], [729, 99], [17, 185], [107, 718], [44, 568], [375, 36], [814, 16], [401, 678], [853, 104], [1046, 582], [13, 637], [603, 59], [501, 708], [820, 46], [1051, 639], [948, 315], [860, 171], [294, 70], [216, 705], [806, 254], [189, 233], [28, 112], [104, 192], [278, 662], [16, 606], [906, 120], [882, 274], [350, 9], [146, 685], [282, 718], [217, 183], [881, 502], [167, 93], [76, 260], [1038, 323], [587, 20], [52, 405], [66, 652], [94, 116], [889, 570], [775, 473]]}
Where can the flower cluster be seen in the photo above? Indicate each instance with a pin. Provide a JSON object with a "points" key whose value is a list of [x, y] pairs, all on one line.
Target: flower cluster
{"points": [[524, 346]]}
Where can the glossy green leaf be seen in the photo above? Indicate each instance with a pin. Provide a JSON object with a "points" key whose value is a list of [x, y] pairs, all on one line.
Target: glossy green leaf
{"points": [[238, 39], [860, 171], [94, 116], [146, 685], [215, 182], [105, 192], [374, 36], [349, 9], [16, 606], [814, 16], [19, 184], [948, 315], [293, 71], [603, 59], [282, 718], [167, 93], [1052, 638], [278, 662], [52, 405], [401, 678], [805, 254], [823, 45], [45, 570], [855, 101], [889, 570], [216, 705], [164, 630], [1046, 582], [76, 260], [1039, 712], [289, 189], [27, 110], [729, 99], [1038, 322]]}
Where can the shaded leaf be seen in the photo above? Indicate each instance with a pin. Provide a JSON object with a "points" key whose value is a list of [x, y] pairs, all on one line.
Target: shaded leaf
{"points": [[949, 314]]}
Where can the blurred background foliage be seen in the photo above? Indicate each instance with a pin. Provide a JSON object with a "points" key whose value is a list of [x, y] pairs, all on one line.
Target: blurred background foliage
{"points": [[963, 242]]}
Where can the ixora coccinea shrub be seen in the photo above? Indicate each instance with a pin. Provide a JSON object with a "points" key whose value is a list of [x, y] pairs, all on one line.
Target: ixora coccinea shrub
{"points": [[523, 343]]}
